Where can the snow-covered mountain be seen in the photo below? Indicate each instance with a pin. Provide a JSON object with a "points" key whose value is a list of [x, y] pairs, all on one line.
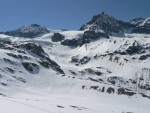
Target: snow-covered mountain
{"points": [[30, 31], [141, 22], [92, 70], [112, 26], [142, 25]]}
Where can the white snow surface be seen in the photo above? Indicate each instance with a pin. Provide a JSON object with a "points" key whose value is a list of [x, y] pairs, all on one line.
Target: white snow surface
{"points": [[47, 92]]}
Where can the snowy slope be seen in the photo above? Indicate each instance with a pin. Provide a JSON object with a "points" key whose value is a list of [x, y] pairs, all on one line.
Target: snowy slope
{"points": [[88, 84]]}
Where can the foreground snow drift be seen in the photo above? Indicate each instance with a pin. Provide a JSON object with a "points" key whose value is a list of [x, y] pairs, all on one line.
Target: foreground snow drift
{"points": [[95, 103]]}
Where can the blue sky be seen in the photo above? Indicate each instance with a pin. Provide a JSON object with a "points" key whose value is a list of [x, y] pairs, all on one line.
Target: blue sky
{"points": [[69, 14]]}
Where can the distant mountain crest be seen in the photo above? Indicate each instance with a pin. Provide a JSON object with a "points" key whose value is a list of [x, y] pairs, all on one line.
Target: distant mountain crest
{"points": [[141, 21], [29, 31], [142, 25], [100, 24]]}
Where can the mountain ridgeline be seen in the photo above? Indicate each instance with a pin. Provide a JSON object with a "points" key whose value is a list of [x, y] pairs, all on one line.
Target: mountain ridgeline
{"points": [[110, 25], [100, 26]]}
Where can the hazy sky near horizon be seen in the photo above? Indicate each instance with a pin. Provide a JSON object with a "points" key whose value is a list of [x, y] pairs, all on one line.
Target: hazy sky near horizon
{"points": [[68, 14]]}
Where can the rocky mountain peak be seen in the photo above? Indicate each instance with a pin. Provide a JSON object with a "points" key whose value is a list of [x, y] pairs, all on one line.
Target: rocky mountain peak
{"points": [[103, 17], [106, 23]]}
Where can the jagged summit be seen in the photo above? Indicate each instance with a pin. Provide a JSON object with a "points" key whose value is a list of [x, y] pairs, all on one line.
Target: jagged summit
{"points": [[106, 23], [100, 17]]}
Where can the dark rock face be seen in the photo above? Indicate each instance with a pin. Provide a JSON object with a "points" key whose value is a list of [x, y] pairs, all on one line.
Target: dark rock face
{"points": [[84, 60], [144, 57], [94, 80], [103, 89], [48, 63], [44, 63], [133, 49], [120, 52], [112, 80], [72, 72], [57, 37], [110, 90], [74, 59], [31, 67], [91, 71], [9, 70], [124, 91], [9, 61], [115, 80], [94, 87], [33, 48], [90, 36], [143, 95], [146, 86], [18, 56], [19, 79], [70, 42], [30, 31]]}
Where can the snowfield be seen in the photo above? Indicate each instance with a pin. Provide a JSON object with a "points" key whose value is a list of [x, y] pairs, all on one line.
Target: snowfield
{"points": [[47, 90], [95, 103], [60, 97]]}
